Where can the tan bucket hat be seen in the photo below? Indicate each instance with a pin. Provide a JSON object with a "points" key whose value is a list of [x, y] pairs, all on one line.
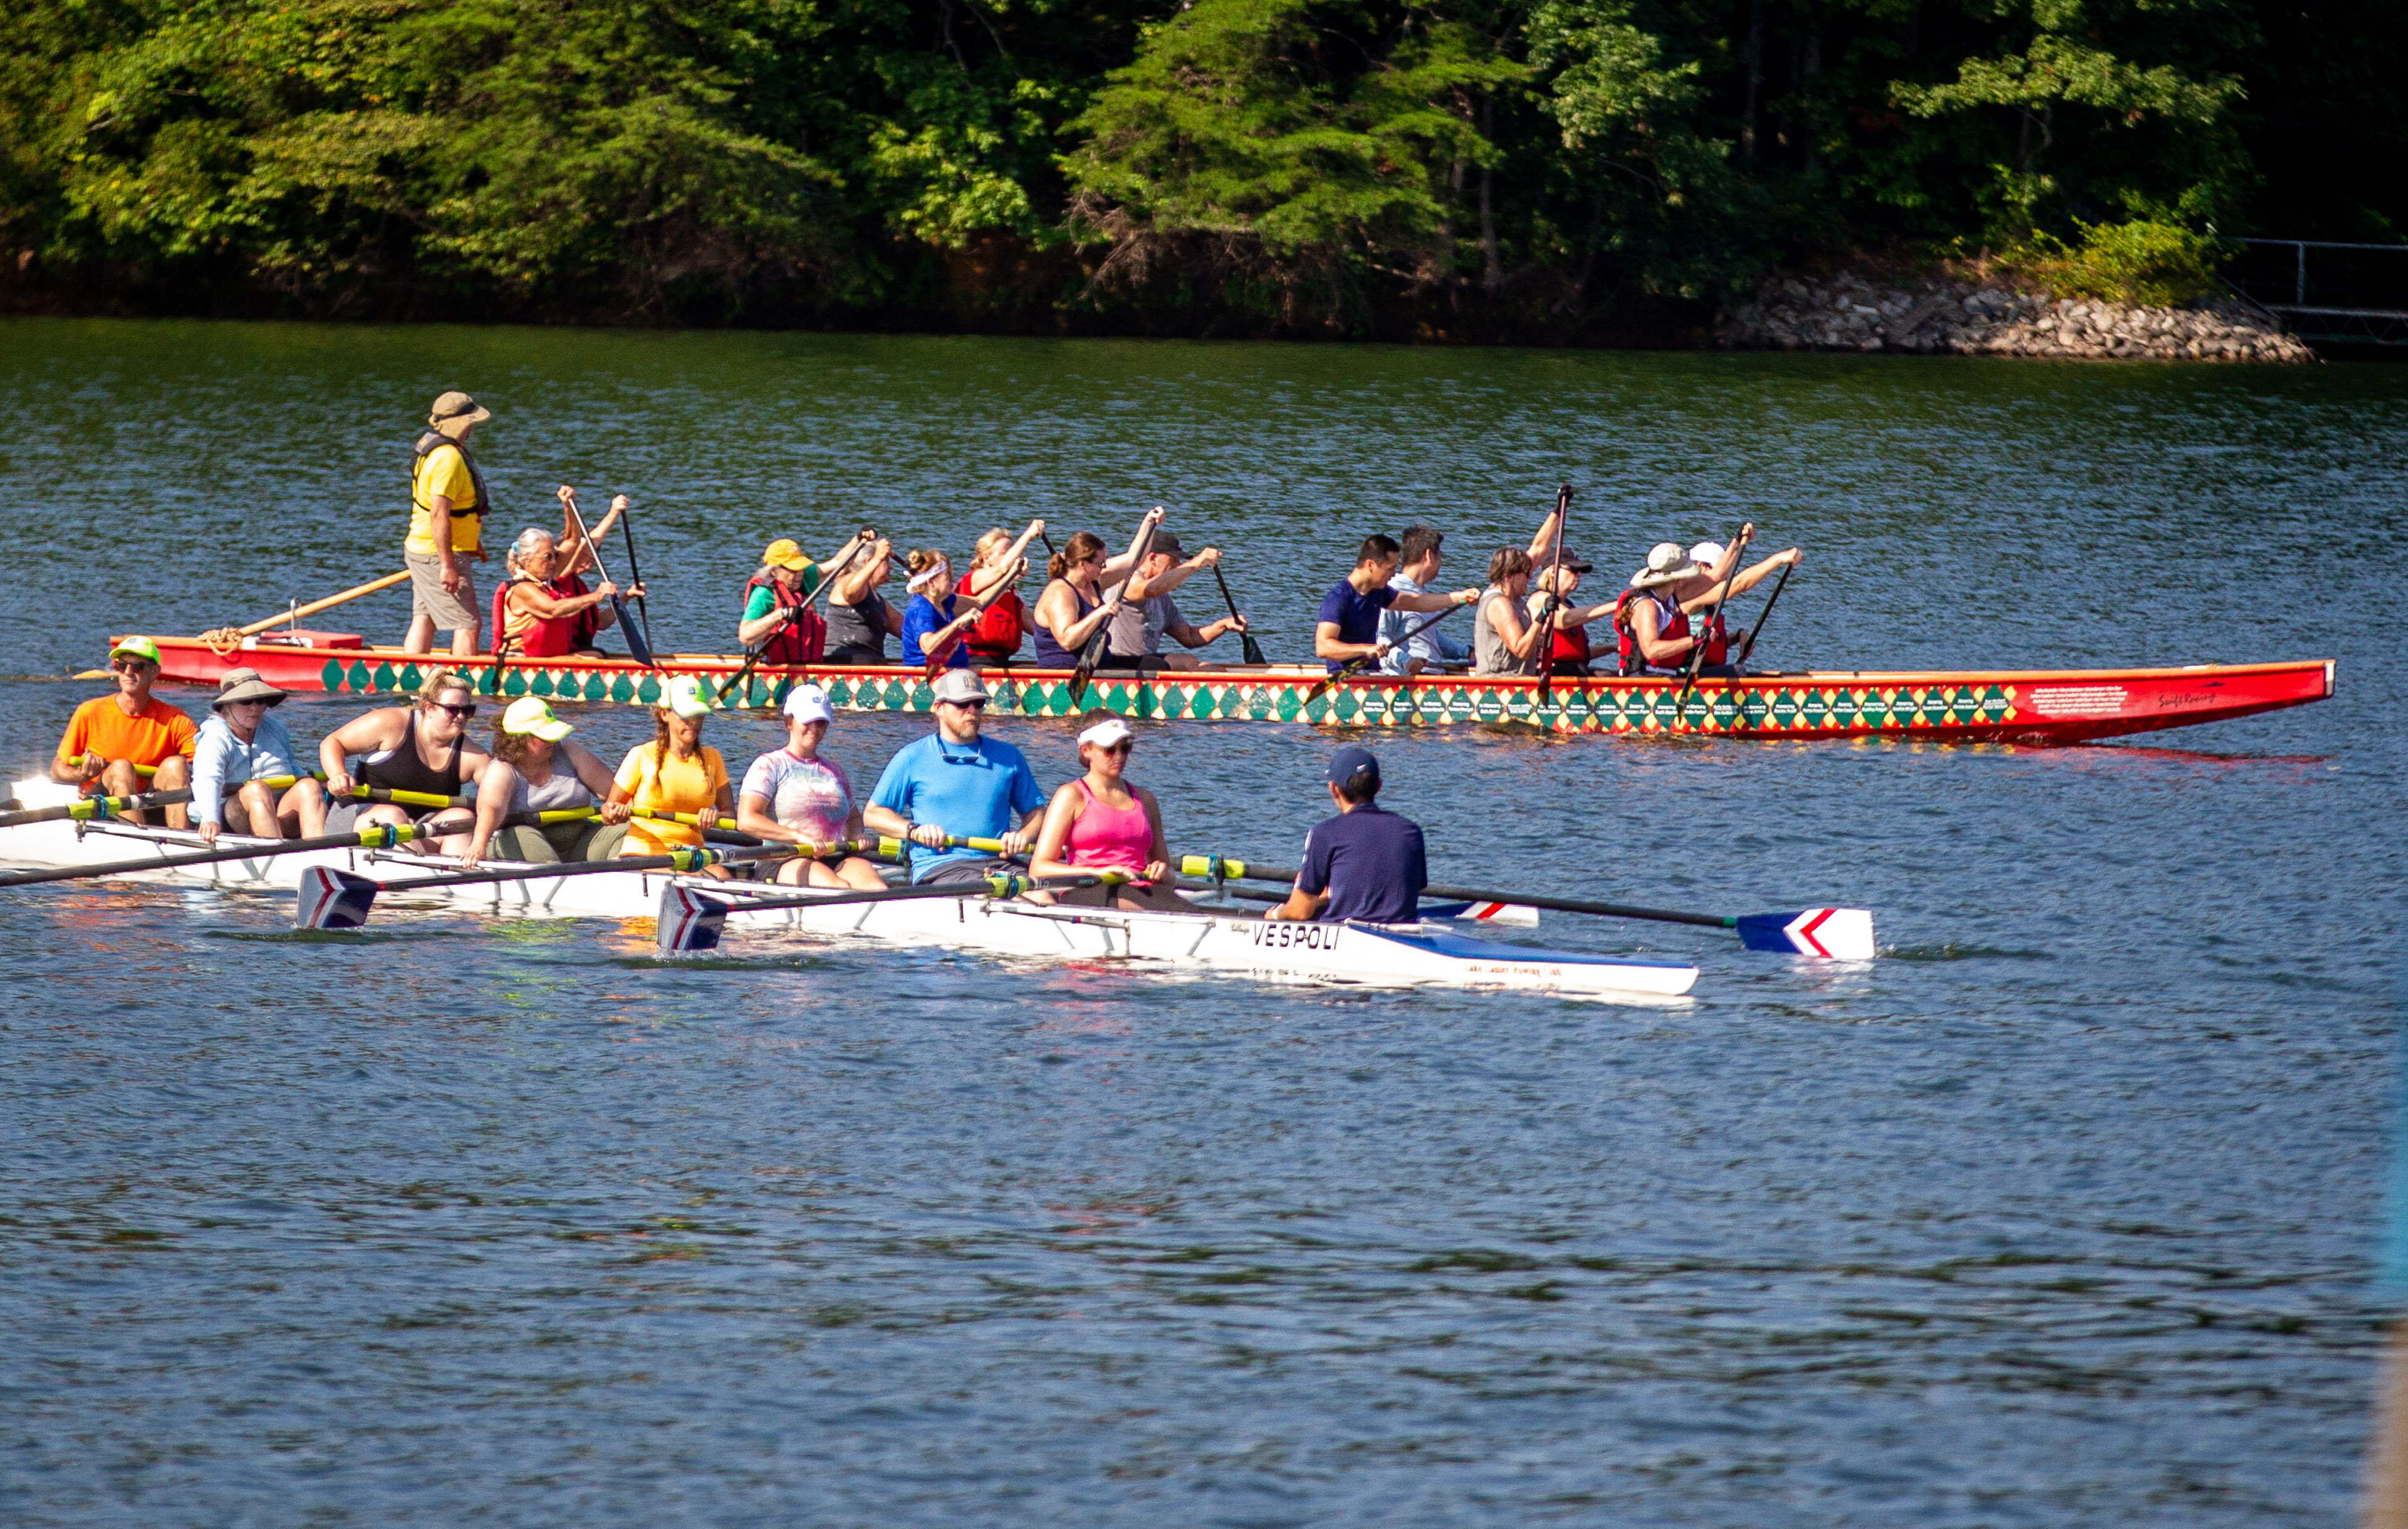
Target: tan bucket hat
{"points": [[456, 411], [245, 685], [1667, 565]]}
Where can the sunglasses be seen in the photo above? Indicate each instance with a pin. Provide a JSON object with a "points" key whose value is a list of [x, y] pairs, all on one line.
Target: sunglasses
{"points": [[463, 713], [965, 706], [131, 666]]}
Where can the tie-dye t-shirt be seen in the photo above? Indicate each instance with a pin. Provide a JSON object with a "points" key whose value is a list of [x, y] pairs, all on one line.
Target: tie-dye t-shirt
{"points": [[812, 797]]}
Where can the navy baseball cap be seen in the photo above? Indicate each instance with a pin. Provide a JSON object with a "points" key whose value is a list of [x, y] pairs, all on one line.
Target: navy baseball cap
{"points": [[1346, 764]]}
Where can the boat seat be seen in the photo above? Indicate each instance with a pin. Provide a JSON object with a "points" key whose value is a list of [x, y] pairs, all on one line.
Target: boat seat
{"points": [[302, 636]]}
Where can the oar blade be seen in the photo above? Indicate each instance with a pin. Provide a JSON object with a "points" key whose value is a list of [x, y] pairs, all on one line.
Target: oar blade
{"points": [[690, 920], [1503, 915], [332, 899], [638, 649], [1825, 933]]}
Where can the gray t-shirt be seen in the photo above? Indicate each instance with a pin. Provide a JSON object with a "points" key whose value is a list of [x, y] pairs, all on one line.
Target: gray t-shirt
{"points": [[1137, 628]]}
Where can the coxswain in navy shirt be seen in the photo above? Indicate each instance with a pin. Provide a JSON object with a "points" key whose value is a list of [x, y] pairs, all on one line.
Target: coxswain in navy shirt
{"points": [[1365, 863], [1349, 625]]}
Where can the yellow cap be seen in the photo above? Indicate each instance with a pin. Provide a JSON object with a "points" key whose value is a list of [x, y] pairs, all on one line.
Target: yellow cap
{"points": [[532, 717]]}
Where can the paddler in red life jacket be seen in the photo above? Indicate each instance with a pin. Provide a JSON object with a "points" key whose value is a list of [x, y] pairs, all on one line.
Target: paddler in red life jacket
{"points": [[1709, 559], [1568, 650], [997, 636], [543, 608], [778, 615]]}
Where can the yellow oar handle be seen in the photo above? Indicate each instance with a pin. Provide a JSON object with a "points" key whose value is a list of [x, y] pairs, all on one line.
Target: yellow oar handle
{"points": [[567, 814], [692, 820], [1215, 867], [1015, 885]]}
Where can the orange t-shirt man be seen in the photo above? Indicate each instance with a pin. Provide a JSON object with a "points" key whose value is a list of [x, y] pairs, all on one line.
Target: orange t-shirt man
{"points": [[100, 726]]}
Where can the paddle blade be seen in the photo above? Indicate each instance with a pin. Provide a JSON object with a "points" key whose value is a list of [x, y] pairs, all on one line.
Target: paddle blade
{"points": [[638, 649], [690, 920], [332, 899], [1502, 914], [1825, 934]]}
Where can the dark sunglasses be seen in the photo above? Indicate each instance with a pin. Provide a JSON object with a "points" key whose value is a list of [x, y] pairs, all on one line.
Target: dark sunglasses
{"points": [[131, 666], [965, 706], [463, 713]]}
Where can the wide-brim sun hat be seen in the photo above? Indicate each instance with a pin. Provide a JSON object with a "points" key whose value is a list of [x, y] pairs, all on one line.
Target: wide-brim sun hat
{"points": [[961, 685], [687, 698], [1667, 565], [141, 647], [809, 704], [1109, 734], [455, 411], [241, 685], [532, 717]]}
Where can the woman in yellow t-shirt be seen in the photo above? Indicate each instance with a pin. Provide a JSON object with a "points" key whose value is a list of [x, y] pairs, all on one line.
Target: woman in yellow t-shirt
{"points": [[674, 773]]}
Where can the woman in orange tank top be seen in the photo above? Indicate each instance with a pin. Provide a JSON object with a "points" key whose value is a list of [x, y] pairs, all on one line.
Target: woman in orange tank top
{"points": [[1102, 823]]}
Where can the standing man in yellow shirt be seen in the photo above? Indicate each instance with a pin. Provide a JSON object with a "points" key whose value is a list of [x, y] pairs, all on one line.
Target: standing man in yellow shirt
{"points": [[447, 519]]}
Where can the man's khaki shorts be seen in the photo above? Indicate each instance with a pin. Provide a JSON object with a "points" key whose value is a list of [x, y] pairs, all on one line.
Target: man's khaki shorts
{"points": [[451, 612]]}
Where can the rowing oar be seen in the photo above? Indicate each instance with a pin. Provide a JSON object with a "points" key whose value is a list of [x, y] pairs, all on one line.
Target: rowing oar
{"points": [[1554, 600], [1354, 666], [92, 809], [828, 577], [640, 647], [691, 919], [330, 899], [1762, 616], [1253, 649], [1093, 652], [1713, 613], [374, 837], [1827, 934], [635, 574]]}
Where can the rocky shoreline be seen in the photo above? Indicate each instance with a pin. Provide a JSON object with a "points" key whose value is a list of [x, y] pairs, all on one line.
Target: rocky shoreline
{"points": [[1846, 312]]}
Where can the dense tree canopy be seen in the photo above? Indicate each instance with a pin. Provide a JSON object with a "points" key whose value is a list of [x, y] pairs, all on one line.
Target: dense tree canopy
{"points": [[1147, 162]]}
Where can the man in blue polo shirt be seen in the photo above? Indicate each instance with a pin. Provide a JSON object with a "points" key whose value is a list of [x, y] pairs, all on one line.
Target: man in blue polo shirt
{"points": [[1349, 625], [956, 784], [1365, 863]]}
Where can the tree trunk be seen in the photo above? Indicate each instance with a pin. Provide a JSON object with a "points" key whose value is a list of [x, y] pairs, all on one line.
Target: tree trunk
{"points": [[1492, 263]]}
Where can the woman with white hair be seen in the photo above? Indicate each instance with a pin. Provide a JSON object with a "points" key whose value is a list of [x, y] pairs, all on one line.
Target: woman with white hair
{"points": [[543, 610]]}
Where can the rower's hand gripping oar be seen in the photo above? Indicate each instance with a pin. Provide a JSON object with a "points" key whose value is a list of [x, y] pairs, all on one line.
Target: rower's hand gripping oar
{"points": [[1253, 649], [692, 920], [1825, 934], [639, 647]]}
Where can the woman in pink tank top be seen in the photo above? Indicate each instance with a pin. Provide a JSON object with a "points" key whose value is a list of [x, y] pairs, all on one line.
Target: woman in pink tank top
{"points": [[1102, 823]]}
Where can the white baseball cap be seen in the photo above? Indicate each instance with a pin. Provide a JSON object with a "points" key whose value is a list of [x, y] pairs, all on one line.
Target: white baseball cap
{"points": [[1110, 732], [961, 685], [809, 704], [1706, 553]]}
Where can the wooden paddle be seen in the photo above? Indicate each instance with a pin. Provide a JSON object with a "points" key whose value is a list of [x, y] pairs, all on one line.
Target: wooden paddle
{"points": [[1827, 934], [693, 920], [639, 647], [1554, 599], [1253, 649], [1093, 652], [635, 574], [328, 898], [866, 538]]}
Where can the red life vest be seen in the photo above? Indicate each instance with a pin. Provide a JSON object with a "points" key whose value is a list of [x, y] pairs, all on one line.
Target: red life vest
{"points": [[1570, 645], [802, 638], [1000, 626], [542, 637], [1718, 640], [1668, 628]]}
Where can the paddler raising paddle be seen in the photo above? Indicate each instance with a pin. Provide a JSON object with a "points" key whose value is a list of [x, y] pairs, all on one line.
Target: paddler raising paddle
{"points": [[1102, 823], [1147, 613], [1349, 623], [421, 747], [1720, 663], [1365, 863], [543, 610], [239, 750], [1082, 592], [448, 506], [792, 795], [778, 616], [111, 735], [859, 619], [535, 768], [941, 615]]}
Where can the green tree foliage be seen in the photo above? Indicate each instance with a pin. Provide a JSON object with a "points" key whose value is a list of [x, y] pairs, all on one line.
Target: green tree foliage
{"points": [[1308, 159]]}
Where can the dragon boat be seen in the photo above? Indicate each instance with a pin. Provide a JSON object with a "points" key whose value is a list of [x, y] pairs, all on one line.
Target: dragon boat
{"points": [[2021, 705]]}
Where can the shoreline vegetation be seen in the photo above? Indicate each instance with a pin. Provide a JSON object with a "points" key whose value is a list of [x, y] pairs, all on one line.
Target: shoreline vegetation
{"points": [[1613, 172]]}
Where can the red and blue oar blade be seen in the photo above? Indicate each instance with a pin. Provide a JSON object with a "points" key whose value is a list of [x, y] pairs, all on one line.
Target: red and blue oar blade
{"points": [[332, 899], [1825, 934], [690, 920], [1489, 912]]}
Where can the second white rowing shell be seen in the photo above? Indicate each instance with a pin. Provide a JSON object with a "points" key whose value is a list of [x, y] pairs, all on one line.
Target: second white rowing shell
{"points": [[1353, 954]]}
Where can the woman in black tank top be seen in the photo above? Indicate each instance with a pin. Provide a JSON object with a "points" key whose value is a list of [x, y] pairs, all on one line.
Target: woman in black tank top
{"points": [[388, 746], [859, 620]]}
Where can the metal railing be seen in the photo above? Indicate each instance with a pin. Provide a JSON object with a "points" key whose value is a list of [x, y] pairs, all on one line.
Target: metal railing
{"points": [[2351, 305]]}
